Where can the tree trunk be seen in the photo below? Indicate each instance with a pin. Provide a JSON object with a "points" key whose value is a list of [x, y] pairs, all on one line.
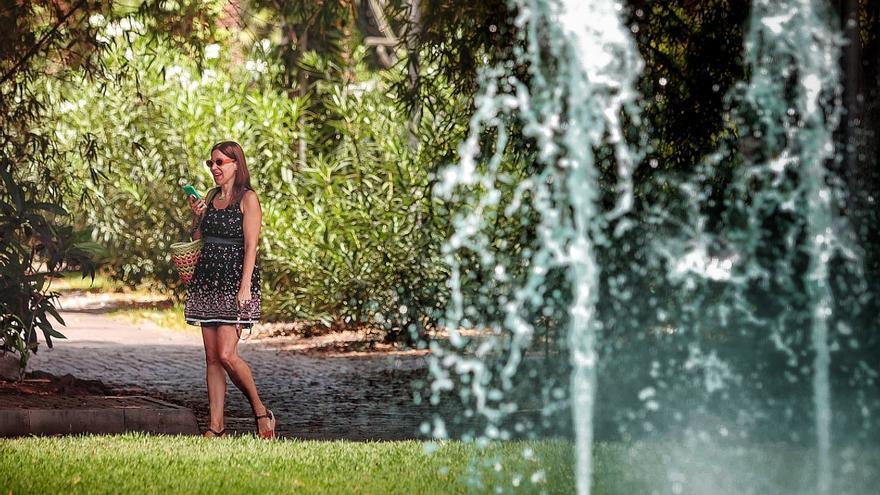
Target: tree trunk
{"points": [[412, 46], [386, 57], [302, 89]]}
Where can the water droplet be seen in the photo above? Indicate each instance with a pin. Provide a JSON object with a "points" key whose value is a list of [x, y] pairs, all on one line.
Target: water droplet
{"points": [[538, 477]]}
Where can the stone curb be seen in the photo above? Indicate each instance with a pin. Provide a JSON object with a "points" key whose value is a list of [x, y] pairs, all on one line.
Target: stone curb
{"points": [[143, 414]]}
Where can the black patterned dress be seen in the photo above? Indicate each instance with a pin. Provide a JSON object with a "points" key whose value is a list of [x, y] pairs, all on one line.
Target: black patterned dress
{"points": [[211, 295]]}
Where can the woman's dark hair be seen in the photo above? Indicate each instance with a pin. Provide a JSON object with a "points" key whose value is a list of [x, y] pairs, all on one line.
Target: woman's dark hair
{"points": [[242, 180]]}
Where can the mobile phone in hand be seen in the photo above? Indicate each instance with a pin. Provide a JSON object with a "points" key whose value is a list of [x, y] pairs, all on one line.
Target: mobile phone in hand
{"points": [[191, 191]]}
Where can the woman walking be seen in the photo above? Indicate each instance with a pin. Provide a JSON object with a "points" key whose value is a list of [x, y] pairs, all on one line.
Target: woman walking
{"points": [[224, 294]]}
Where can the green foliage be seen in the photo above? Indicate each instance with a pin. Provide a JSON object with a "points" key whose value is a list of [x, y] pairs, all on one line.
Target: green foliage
{"points": [[46, 45], [135, 462], [328, 28], [456, 39], [157, 131], [351, 233], [36, 239], [341, 234], [36, 242], [359, 204]]}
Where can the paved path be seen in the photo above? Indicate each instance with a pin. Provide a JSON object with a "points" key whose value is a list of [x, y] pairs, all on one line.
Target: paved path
{"points": [[313, 397]]}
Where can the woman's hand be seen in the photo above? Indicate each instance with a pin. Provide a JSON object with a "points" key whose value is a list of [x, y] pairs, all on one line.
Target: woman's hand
{"points": [[244, 298], [198, 206]]}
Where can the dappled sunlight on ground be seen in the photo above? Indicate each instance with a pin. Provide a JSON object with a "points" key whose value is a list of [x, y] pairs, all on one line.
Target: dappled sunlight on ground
{"points": [[86, 302]]}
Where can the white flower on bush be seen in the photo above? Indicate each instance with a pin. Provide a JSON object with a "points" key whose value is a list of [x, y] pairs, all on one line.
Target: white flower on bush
{"points": [[114, 29], [258, 66], [173, 71], [362, 87], [67, 106], [122, 26], [212, 51], [97, 20], [65, 135], [209, 76], [129, 24], [184, 77], [265, 44]]}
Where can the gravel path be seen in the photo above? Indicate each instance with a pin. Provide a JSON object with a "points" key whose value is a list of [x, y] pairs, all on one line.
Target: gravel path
{"points": [[356, 397]]}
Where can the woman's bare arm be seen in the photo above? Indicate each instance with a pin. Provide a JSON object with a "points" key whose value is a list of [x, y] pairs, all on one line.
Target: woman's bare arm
{"points": [[198, 207], [253, 218]]}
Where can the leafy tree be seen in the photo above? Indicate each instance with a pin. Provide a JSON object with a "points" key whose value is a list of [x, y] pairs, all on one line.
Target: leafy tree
{"points": [[44, 43], [43, 39], [338, 232]]}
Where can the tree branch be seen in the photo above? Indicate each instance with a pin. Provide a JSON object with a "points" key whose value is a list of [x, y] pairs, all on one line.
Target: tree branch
{"points": [[34, 49]]}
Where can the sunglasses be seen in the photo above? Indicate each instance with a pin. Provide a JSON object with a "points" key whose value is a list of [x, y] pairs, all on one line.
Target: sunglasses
{"points": [[218, 162]]}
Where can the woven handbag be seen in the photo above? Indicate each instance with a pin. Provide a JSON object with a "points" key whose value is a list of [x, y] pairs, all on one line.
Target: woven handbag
{"points": [[185, 254]]}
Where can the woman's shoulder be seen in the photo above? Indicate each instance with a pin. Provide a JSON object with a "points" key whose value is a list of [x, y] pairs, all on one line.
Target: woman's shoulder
{"points": [[249, 198]]}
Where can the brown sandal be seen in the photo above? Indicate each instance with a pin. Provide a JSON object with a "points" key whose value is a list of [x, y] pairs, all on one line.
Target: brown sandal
{"points": [[216, 433], [270, 433]]}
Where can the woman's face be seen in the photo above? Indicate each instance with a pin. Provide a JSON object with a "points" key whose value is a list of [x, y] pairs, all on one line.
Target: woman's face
{"points": [[224, 172]]}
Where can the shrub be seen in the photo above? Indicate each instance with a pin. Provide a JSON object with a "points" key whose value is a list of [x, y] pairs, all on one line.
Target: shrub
{"points": [[347, 233]]}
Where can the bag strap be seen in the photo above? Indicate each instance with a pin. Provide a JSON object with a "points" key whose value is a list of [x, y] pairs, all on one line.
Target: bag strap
{"points": [[208, 202]]}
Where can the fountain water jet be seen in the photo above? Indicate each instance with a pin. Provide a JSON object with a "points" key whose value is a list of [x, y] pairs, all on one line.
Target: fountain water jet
{"points": [[577, 101], [798, 34], [570, 110]]}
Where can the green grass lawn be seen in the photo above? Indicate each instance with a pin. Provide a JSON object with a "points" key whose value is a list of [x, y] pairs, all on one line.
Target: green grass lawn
{"points": [[138, 463]]}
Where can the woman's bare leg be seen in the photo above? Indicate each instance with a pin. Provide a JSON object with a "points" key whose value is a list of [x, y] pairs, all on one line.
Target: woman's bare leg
{"points": [[215, 377], [239, 371]]}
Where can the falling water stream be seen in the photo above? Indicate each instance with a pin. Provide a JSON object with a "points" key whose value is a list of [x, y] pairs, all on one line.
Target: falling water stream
{"points": [[794, 39], [576, 104], [570, 110]]}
